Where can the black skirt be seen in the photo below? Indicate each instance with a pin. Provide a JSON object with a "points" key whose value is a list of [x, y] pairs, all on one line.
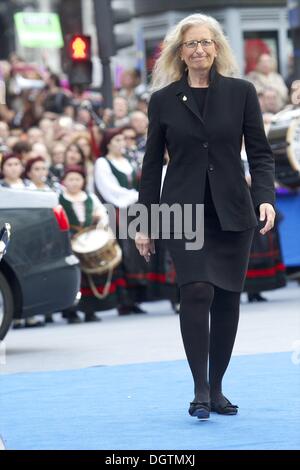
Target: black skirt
{"points": [[223, 259]]}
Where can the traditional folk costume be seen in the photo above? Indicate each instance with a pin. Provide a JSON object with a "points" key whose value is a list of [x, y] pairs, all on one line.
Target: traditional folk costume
{"points": [[81, 213], [117, 182], [266, 270]]}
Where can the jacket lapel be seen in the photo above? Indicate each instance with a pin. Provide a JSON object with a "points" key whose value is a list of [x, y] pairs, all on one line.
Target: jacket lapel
{"points": [[185, 94]]}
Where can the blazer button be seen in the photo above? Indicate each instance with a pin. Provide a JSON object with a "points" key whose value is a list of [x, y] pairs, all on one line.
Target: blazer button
{"points": [[211, 167], [205, 145]]}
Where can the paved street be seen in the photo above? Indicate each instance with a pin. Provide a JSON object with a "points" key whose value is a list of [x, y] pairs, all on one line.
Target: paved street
{"points": [[272, 326]]}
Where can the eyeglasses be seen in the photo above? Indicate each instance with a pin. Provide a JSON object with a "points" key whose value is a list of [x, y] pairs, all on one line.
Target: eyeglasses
{"points": [[193, 44]]}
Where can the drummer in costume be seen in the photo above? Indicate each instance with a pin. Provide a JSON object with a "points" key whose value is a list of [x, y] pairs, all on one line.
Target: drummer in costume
{"points": [[200, 111], [116, 182], [161, 273], [84, 210], [266, 269]]}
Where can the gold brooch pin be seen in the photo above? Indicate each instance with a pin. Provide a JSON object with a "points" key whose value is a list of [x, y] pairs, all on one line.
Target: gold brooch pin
{"points": [[184, 98]]}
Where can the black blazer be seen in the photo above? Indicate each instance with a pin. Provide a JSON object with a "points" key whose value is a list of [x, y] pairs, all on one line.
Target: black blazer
{"points": [[210, 145]]}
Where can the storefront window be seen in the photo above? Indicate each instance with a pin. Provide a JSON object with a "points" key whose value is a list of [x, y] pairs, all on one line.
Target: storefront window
{"points": [[258, 43]]}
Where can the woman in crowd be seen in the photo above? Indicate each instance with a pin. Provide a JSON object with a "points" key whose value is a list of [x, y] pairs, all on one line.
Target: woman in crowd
{"points": [[116, 182], [120, 112], [23, 149], [130, 149], [74, 156], [11, 172], [56, 169], [37, 172], [265, 76], [84, 142], [84, 210]]}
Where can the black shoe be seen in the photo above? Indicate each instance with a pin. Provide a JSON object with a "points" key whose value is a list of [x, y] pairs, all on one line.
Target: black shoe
{"points": [[135, 308], [124, 310], [199, 409], [224, 408], [33, 323], [256, 298], [128, 309], [260, 298], [72, 318], [176, 307], [18, 324], [91, 317], [49, 319]]}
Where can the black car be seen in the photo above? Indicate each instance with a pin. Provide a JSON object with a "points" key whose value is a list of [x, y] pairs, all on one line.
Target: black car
{"points": [[39, 274]]}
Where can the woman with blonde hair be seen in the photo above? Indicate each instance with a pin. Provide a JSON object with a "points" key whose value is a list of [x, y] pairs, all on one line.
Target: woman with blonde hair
{"points": [[200, 111], [170, 66]]}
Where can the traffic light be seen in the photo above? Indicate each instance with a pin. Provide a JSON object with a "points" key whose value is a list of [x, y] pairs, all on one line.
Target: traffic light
{"points": [[81, 48], [106, 17], [80, 70]]}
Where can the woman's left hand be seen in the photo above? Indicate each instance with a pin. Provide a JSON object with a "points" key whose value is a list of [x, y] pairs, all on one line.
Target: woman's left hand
{"points": [[266, 211]]}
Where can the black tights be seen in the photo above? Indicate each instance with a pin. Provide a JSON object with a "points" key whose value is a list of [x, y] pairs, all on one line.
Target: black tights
{"points": [[200, 341]]}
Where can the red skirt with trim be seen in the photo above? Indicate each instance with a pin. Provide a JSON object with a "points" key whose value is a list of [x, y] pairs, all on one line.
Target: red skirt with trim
{"points": [[266, 270]]}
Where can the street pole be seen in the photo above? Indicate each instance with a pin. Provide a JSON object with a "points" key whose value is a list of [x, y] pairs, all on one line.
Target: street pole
{"points": [[107, 91], [103, 23]]}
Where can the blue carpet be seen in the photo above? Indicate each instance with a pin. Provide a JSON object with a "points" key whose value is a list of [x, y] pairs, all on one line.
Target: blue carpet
{"points": [[289, 227], [144, 406]]}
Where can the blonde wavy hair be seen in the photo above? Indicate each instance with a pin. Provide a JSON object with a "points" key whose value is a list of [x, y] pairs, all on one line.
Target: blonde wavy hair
{"points": [[169, 67]]}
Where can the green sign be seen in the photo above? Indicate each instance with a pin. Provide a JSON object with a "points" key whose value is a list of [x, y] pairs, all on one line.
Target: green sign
{"points": [[39, 30]]}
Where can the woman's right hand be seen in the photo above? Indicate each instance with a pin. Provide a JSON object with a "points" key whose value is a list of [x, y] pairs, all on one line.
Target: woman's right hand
{"points": [[145, 245]]}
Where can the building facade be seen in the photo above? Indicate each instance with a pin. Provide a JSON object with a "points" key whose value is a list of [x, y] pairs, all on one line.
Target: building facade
{"points": [[248, 26]]}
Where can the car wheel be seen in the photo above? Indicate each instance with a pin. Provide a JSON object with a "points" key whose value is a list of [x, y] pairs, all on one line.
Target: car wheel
{"points": [[6, 306]]}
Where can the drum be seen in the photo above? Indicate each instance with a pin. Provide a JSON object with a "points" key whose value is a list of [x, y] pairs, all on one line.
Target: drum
{"points": [[284, 138], [97, 249]]}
